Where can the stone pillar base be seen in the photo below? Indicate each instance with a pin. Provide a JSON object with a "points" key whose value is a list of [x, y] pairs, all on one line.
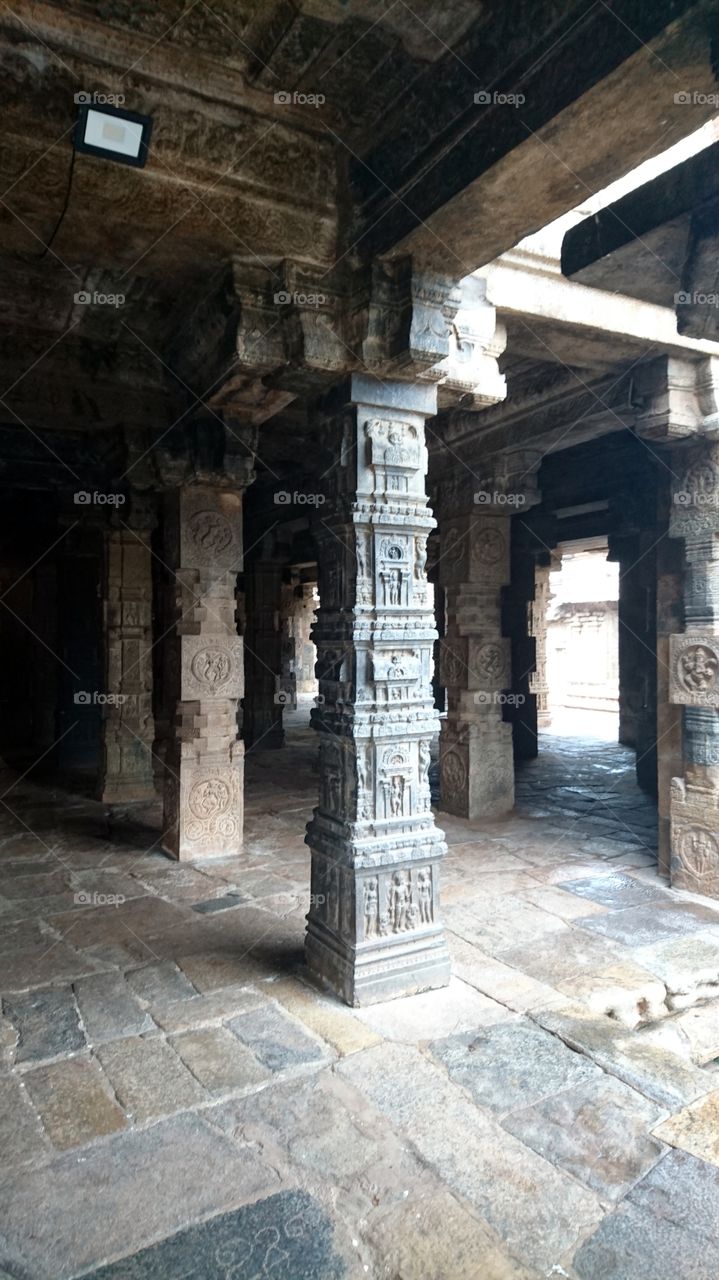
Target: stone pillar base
{"points": [[371, 932], [398, 968]]}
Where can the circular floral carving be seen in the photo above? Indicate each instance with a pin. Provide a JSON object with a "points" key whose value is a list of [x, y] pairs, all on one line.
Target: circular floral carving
{"points": [[209, 798], [210, 531], [697, 668], [212, 667], [454, 773]]}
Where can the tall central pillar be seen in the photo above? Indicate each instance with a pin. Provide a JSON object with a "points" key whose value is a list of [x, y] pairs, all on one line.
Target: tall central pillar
{"points": [[373, 929], [205, 760]]}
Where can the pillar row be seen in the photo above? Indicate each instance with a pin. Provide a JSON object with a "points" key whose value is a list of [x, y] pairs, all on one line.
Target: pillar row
{"points": [[204, 772], [373, 927]]}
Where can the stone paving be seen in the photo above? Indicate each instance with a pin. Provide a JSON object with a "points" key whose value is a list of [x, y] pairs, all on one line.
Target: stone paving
{"points": [[178, 1101]]}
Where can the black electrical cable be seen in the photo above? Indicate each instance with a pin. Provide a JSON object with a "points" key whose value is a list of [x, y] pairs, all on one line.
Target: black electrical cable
{"points": [[63, 211]]}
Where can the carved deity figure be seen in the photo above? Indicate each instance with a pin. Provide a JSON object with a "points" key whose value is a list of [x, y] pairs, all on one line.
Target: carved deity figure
{"points": [[420, 558], [424, 893], [396, 796], [371, 907], [425, 759], [400, 897], [394, 586], [698, 668]]}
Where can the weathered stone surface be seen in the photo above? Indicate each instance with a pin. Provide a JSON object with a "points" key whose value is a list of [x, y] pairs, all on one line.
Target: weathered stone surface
{"points": [[552, 959], [700, 1026], [596, 1131], [47, 1023], [149, 1078], [22, 1139], [159, 982], [288, 1233], [142, 918], [200, 1010], [275, 1039], [625, 992], [433, 1238], [74, 1102], [667, 1229], [218, 1060], [142, 1172], [688, 967], [497, 925], [457, 1008], [614, 890], [667, 1079], [342, 1029], [108, 1008], [642, 926], [695, 1129], [511, 1066], [537, 1211], [309, 1122], [497, 980]]}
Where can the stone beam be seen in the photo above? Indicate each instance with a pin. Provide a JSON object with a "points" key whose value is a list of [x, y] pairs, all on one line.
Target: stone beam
{"points": [[598, 98]]}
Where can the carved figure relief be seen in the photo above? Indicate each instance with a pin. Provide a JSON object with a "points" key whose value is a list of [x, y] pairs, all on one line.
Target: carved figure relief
{"points": [[424, 896], [371, 907], [490, 662], [699, 852], [420, 558], [453, 668], [488, 547], [212, 667], [697, 668], [454, 773], [399, 900], [210, 531], [209, 797]]}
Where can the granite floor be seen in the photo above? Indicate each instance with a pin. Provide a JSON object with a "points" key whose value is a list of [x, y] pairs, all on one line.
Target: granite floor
{"points": [[179, 1103]]}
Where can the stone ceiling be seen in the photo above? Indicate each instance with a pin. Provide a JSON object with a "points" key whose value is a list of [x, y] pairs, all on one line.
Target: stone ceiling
{"points": [[235, 171]]}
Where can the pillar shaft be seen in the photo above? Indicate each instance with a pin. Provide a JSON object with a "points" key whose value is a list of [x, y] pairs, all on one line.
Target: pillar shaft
{"points": [[694, 673], [204, 766], [476, 761], [265, 695], [128, 727], [373, 929]]}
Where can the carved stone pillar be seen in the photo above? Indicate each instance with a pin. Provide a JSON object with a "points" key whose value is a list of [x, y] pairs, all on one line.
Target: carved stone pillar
{"points": [[476, 760], [694, 670], [204, 766], [373, 928], [538, 609], [637, 616], [128, 727], [265, 695]]}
